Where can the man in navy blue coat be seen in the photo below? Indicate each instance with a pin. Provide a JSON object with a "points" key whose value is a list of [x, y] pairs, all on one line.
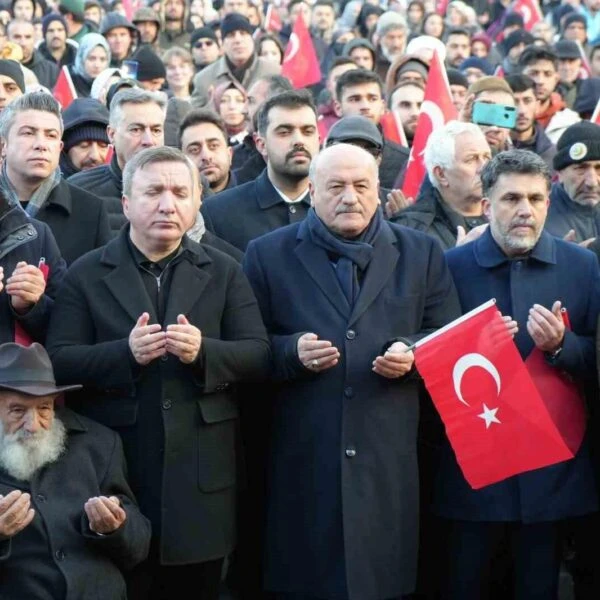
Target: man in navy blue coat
{"points": [[343, 294], [533, 276]]}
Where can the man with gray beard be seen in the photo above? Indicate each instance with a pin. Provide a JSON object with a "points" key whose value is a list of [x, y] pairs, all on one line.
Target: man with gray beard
{"points": [[68, 520]]}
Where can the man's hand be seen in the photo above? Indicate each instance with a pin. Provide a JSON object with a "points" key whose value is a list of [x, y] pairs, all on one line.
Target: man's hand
{"points": [[396, 362], [511, 325], [571, 236], [184, 340], [147, 342], [15, 513], [546, 327], [463, 237], [396, 201], [25, 286], [466, 114], [104, 514], [315, 354]]}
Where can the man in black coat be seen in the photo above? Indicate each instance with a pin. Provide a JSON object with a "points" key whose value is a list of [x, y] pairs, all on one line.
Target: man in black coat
{"points": [[31, 129], [288, 139], [56, 47], [158, 329], [136, 122], [68, 520]]}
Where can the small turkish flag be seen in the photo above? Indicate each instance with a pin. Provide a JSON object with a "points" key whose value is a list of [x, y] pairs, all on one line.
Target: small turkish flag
{"points": [[530, 11], [437, 109], [495, 418], [499, 72], [64, 90], [273, 20], [300, 62], [596, 116], [392, 128]]}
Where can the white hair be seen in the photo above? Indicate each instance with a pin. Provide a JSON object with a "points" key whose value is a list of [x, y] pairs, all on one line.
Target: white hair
{"points": [[440, 150]]}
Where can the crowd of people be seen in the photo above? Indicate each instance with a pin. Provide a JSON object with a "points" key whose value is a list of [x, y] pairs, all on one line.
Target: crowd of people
{"points": [[212, 284]]}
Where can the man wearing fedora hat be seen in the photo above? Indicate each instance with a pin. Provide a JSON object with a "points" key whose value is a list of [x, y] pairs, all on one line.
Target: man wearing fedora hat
{"points": [[68, 520]]}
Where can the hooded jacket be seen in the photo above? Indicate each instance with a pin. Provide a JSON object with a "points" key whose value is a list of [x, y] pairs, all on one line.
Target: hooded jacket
{"points": [[168, 39], [68, 58]]}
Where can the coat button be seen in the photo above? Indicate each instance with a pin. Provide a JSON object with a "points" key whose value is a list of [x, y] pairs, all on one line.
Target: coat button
{"points": [[350, 334], [293, 209], [40, 498], [166, 404], [348, 392], [350, 452], [30, 233], [60, 555], [164, 358]]}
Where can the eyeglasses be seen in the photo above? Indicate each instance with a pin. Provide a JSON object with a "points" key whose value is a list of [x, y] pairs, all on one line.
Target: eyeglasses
{"points": [[201, 44]]}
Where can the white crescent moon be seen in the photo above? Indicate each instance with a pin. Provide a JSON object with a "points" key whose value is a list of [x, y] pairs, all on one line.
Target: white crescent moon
{"points": [[435, 114], [294, 46], [526, 14], [464, 363]]}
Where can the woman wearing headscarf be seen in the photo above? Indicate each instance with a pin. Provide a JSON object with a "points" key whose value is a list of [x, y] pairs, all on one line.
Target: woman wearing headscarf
{"points": [[93, 57], [231, 103]]}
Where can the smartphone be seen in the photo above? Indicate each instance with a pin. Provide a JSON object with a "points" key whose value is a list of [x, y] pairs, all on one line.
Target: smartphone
{"points": [[486, 113], [129, 68]]}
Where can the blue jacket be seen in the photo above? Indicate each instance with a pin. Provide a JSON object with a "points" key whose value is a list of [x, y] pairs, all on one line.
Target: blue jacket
{"points": [[554, 270]]}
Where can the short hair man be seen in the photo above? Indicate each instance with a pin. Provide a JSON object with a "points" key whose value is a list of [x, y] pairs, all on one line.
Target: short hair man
{"points": [[22, 33], [575, 198], [405, 101], [203, 138], [323, 19], [64, 492], [533, 275], [494, 90], [85, 141], [136, 122], [205, 47], [288, 139], [360, 93], [31, 128], [235, 6], [239, 56], [170, 353], [458, 47], [174, 32], [451, 206], [93, 11], [528, 133], [56, 47], [120, 35], [74, 13], [339, 354], [391, 33], [12, 82]]}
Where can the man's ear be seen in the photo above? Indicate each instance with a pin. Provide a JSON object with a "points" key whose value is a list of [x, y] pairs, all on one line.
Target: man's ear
{"points": [[337, 109], [110, 132], [486, 206], [261, 145], [440, 175], [311, 191]]}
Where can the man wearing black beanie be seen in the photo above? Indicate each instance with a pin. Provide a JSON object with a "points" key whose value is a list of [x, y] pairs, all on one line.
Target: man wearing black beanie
{"points": [[12, 82], [205, 47], [575, 200], [56, 47]]}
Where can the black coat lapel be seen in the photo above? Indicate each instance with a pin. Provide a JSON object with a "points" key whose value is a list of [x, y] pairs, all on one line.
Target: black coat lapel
{"points": [[187, 286]]}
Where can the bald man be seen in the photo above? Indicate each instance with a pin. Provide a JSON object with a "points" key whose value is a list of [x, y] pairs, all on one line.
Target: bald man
{"points": [[343, 293]]}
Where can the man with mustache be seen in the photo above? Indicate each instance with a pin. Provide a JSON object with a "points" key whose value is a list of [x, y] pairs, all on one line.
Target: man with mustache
{"points": [[288, 139], [56, 47], [85, 141], [69, 524], [532, 276]]}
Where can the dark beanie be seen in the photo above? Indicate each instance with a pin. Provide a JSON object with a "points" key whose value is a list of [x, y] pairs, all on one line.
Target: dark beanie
{"points": [[12, 69], [474, 62], [519, 36], [455, 77], [85, 132], [49, 18], [235, 22], [574, 18], [149, 65], [203, 32], [512, 19], [579, 143]]}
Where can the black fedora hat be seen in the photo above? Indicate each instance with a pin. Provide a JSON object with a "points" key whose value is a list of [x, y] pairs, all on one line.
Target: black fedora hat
{"points": [[28, 370]]}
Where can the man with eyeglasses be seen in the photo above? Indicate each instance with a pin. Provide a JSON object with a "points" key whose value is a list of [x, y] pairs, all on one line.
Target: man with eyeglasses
{"points": [[205, 47], [136, 122]]}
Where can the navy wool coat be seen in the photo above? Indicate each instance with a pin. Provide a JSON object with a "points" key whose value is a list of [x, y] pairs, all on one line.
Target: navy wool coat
{"points": [[343, 487]]}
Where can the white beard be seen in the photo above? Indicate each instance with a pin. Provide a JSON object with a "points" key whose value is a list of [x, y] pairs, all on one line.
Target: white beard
{"points": [[23, 454]]}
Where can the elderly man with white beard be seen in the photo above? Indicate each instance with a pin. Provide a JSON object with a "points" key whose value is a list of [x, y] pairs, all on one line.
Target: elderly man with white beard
{"points": [[68, 520]]}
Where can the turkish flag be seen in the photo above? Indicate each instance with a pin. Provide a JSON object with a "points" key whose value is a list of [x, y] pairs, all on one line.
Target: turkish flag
{"points": [[64, 90], [529, 10], [437, 109], [130, 6], [392, 128], [300, 62], [499, 72], [596, 116], [495, 418], [273, 20]]}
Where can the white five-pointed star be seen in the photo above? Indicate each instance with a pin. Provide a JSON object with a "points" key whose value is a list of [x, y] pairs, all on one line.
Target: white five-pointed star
{"points": [[489, 416]]}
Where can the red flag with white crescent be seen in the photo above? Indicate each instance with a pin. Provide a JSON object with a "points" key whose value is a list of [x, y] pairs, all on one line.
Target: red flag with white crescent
{"points": [[495, 418], [64, 90], [437, 109], [300, 62], [596, 115], [530, 11], [273, 21], [392, 128]]}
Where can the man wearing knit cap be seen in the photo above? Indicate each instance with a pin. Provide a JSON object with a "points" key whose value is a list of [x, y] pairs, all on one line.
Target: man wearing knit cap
{"points": [[575, 199], [147, 23], [474, 68], [77, 26], [391, 32], [85, 141], [12, 82], [458, 88], [574, 28], [513, 47], [120, 35], [174, 31], [205, 47], [239, 61], [151, 70], [56, 47], [569, 70]]}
